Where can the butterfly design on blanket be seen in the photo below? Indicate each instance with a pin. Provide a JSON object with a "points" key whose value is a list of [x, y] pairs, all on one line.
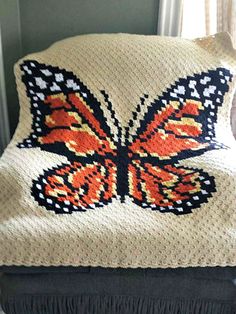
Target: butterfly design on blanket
{"points": [[137, 163]]}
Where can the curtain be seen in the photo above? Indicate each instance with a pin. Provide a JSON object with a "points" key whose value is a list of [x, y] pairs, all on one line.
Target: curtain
{"points": [[226, 17], [207, 17], [226, 22], [170, 17]]}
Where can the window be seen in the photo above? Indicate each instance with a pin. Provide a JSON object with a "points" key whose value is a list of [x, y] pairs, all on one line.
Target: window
{"points": [[199, 18]]}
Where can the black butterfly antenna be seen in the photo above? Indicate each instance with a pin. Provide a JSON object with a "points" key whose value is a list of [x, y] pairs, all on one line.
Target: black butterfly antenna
{"points": [[113, 115], [135, 116]]}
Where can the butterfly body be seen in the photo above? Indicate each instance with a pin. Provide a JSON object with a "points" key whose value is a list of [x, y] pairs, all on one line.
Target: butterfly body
{"points": [[107, 160], [123, 160]]}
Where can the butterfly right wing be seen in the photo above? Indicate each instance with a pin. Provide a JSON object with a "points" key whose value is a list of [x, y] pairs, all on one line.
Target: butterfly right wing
{"points": [[181, 123], [169, 188]]}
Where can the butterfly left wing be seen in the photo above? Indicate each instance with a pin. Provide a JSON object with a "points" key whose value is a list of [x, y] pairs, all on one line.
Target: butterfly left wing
{"points": [[67, 118], [178, 125], [76, 187]]}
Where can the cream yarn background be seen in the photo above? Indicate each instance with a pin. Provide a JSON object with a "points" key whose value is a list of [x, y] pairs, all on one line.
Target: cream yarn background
{"points": [[121, 235]]}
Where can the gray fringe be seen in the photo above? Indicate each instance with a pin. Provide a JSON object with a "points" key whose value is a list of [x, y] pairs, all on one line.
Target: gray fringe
{"points": [[85, 304]]}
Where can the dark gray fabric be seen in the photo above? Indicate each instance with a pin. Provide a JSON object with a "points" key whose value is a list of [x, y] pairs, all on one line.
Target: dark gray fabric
{"points": [[112, 305], [227, 273], [99, 290]]}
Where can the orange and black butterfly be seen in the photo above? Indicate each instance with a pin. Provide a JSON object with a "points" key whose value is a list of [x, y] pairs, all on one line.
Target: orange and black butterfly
{"points": [[106, 160]]}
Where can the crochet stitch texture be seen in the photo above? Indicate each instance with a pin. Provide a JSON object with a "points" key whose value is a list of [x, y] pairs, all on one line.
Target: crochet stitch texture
{"points": [[123, 156]]}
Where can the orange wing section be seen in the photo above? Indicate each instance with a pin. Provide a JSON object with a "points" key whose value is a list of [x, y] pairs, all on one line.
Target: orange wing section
{"points": [[77, 186], [172, 131], [73, 123], [168, 188]]}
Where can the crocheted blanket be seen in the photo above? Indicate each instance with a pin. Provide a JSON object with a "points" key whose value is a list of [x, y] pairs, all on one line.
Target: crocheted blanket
{"points": [[123, 156]]}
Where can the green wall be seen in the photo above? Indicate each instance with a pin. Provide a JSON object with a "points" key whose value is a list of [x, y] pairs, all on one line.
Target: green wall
{"points": [[32, 25], [12, 50]]}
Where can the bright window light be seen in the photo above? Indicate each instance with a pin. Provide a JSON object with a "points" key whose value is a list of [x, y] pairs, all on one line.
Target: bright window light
{"points": [[199, 18]]}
